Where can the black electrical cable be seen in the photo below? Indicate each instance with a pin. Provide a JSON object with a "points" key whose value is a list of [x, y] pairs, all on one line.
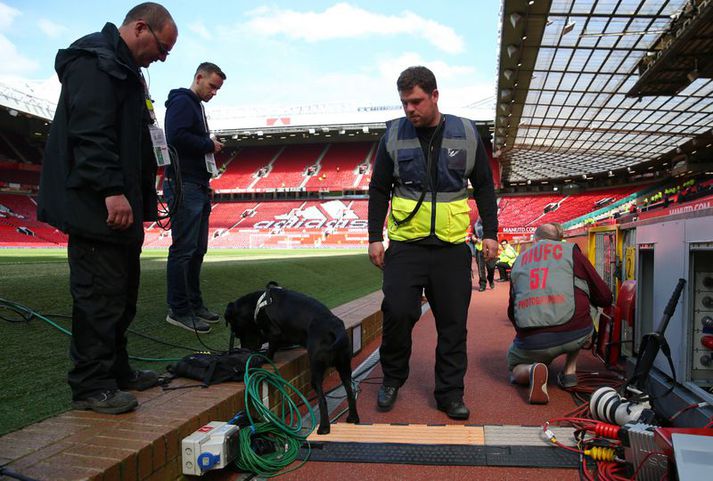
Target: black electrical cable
{"points": [[28, 314], [25, 315], [139, 334], [166, 211]]}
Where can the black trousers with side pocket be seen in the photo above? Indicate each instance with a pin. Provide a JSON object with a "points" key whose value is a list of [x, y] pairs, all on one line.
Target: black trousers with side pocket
{"points": [[444, 273], [104, 283]]}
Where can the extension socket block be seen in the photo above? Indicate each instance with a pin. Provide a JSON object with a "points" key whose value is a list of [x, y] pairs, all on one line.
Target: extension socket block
{"points": [[212, 446]]}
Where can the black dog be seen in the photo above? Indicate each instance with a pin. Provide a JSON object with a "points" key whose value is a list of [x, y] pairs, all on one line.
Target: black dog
{"points": [[282, 318]]}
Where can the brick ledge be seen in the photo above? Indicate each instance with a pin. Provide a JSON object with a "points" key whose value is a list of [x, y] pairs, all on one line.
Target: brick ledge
{"points": [[145, 444]]}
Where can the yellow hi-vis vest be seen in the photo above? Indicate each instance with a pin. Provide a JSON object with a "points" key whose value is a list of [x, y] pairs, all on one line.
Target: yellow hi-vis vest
{"points": [[444, 212]]}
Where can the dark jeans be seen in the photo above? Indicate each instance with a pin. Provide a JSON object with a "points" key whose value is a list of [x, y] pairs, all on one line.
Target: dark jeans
{"points": [[189, 233], [104, 282], [444, 273]]}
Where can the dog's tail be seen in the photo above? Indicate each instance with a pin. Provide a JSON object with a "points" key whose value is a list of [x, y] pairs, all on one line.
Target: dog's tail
{"points": [[229, 313]]}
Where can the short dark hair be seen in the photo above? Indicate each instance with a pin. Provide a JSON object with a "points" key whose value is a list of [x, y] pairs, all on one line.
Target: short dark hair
{"points": [[417, 76], [152, 13], [209, 68]]}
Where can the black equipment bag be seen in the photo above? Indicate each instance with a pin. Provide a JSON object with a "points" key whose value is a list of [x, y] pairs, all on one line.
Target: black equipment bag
{"points": [[215, 368]]}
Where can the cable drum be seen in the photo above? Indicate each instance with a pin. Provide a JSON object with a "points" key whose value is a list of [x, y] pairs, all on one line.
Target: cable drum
{"points": [[607, 405]]}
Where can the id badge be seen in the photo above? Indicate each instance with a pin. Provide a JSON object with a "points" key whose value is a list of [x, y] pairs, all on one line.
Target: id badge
{"points": [[160, 146], [210, 164]]}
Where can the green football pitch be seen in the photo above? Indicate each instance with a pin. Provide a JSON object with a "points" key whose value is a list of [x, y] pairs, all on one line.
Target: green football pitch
{"points": [[35, 348]]}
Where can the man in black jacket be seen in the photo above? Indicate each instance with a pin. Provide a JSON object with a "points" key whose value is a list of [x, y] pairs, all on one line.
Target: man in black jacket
{"points": [[187, 132], [97, 185]]}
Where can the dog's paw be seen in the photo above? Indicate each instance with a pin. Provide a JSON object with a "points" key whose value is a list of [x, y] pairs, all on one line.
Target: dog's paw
{"points": [[323, 429], [353, 419]]}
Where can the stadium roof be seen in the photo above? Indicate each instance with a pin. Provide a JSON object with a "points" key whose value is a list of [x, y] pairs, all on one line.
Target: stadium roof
{"points": [[606, 89], [337, 121], [20, 99]]}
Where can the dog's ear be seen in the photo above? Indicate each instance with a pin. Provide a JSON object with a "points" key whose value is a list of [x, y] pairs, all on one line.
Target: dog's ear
{"points": [[272, 284]]}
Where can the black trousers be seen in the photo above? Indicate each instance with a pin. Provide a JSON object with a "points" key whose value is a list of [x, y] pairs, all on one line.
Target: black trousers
{"points": [[490, 267], [444, 272], [503, 270], [104, 282]]}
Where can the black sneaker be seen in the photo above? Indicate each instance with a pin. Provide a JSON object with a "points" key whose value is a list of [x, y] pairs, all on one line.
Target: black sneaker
{"points": [[108, 402], [387, 397], [189, 322], [208, 316], [139, 381], [455, 409]]}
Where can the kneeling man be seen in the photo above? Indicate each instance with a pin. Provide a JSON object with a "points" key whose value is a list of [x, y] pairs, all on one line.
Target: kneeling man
{"points": [[553, 286]]}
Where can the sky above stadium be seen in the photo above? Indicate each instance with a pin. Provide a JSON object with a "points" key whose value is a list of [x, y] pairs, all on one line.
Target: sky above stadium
{"points": [[279, 53]]}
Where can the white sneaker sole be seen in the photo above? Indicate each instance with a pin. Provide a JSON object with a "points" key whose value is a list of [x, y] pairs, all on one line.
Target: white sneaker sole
{"points": [[176, 323]]}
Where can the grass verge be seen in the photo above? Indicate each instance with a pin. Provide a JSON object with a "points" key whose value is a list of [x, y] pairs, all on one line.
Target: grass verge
{"points": [[33, 382]]}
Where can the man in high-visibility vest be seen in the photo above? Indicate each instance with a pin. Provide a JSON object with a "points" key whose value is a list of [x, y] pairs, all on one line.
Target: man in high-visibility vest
{"points": [[423, 165], [551, 288], [506, 259]]}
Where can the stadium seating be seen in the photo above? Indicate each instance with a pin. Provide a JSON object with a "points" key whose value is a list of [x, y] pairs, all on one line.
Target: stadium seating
{"points": [[517, 212], [19, 212], [339, 168], [522, 211], [242, 167], [289, 170]]}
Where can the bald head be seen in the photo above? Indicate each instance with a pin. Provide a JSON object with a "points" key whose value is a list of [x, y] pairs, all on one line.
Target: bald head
{"points": [[152, 13], [552, 231], [150, 33]]}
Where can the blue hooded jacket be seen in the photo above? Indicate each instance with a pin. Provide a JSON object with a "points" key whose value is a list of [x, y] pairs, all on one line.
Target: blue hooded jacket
{"points": [[186, 132]]}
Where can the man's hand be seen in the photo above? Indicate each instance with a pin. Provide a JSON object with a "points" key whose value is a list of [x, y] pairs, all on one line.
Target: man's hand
{"points": [[120, 216], [217, 146], [376, 254], [490, 249]]}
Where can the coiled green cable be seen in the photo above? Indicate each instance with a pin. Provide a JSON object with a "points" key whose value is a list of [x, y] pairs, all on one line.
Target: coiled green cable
{"points": [[285, 431]]}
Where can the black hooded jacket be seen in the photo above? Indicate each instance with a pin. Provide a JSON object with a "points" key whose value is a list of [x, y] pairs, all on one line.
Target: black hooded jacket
{"points": [[99, 143]]}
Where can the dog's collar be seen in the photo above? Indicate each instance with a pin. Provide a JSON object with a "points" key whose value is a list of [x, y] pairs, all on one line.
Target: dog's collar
{"points": [[263, 300]]}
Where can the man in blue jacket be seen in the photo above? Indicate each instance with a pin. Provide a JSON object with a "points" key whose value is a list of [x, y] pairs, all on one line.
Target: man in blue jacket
{"points": [[187, 132], [97, 185]]}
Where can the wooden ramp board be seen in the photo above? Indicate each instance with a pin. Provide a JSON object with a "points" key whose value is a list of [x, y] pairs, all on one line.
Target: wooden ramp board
{"points": [[402, 433]]}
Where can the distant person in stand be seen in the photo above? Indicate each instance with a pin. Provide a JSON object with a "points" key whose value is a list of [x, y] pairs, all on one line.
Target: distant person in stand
{"points": [[551, 289], [187, 131], [97, 185], [423, 165]]}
